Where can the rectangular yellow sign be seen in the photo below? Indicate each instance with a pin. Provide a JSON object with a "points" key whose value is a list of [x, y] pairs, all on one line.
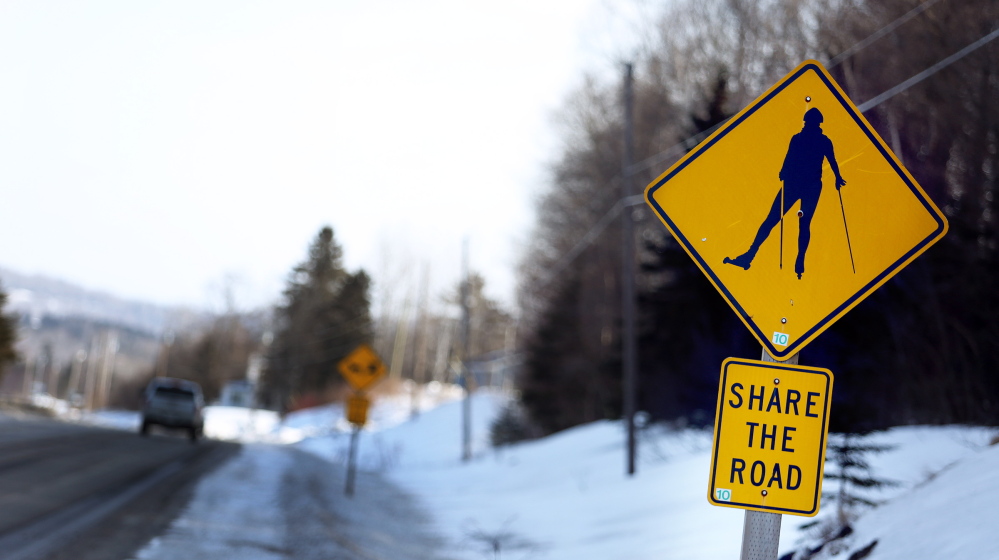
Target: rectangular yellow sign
{"points": [[770, 437], [357, 409]]}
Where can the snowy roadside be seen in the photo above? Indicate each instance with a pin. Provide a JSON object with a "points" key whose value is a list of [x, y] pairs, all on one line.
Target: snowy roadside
{"points": [[249, 425], [275, 502], [235, 513], [561, 497], [953, 514], [566, 496]]}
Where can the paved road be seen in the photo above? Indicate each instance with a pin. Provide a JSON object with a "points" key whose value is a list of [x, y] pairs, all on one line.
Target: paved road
{"points": [[86, 493], [69, 492]]}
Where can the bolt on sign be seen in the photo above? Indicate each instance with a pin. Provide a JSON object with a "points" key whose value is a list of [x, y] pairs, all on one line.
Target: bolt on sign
{"points": [[770, 437], [362, 367], [796, 210], [357, 409]]}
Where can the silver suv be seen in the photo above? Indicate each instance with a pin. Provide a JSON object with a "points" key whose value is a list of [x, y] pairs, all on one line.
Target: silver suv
{"points": [[173, 403]]}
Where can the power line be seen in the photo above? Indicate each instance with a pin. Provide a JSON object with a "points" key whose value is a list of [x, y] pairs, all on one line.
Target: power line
{"points": [[892, 92], [692, 141], [689, 143], [881, 32], [592, 234], [684, 145]]}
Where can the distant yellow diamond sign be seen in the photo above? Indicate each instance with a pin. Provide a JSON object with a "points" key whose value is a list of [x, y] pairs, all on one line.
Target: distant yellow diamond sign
{"points": [[770, 437], [796, 210], [362, 367]]}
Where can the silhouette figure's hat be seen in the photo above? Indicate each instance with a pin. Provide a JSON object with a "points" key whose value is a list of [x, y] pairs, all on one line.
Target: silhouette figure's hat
{"points": [[813, 115]]}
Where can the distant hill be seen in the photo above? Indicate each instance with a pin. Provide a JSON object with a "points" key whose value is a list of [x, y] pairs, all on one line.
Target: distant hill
{"points": [[36, 297], [61, 324]]}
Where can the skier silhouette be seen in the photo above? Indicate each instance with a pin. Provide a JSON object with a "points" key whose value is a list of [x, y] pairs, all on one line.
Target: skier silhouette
{"points": [[802, 177]]}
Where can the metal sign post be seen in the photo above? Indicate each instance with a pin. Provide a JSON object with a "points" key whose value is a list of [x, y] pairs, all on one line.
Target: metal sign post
{"points": [[786, 159], [357, 415], [760, 529], [760, 535], [352, 461], [768, 450], [362, 368]]}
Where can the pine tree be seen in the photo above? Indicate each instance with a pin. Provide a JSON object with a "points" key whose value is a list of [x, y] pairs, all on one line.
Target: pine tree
{"points": [[8, 334], [488, 321], [510, 426], [561, 384], [325, 315], [212, 355], [850, 455], [687, 328]]}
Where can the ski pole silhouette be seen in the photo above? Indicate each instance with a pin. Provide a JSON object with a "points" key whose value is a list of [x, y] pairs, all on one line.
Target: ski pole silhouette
{"points": [[801, 180], [847, 229]]}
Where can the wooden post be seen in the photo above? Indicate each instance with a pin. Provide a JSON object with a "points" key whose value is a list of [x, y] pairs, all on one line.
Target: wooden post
{"points": [[629, 352]]}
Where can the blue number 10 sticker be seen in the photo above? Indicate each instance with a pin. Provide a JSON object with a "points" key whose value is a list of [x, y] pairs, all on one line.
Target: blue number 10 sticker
{"points": [[723, 495]]}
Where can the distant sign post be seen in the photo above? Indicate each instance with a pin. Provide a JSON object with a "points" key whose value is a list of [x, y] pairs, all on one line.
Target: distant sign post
{"points": [[362, 368], [770, 437], [796, 210]]}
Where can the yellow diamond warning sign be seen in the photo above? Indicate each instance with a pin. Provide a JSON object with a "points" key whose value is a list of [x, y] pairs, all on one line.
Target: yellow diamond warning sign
{"points": [[796, 210], [770, 437], [362, 367]]}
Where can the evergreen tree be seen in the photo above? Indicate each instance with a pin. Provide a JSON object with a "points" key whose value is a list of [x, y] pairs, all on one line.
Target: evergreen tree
{"points": [[562, 383], [212, 355], [687, 328], [854, 473], [8, 334], [325, 315], [510, 426], [488, 321]]}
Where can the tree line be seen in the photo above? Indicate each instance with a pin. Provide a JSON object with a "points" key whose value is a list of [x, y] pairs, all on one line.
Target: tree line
{"points": [[923, 349], [324, 313], [292, 349]]}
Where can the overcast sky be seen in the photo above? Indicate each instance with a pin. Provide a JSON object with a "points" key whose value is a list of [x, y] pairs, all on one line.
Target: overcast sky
{"points": [[153, 149]]}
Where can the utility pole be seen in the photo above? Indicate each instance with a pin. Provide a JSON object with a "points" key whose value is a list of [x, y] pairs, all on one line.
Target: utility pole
{"points": [[53, 381], [107, 369], [629, 351], [162, 369], [72, 389], [399, 346], [29, 377], [466, 408], [90, 375], [420, 345]]}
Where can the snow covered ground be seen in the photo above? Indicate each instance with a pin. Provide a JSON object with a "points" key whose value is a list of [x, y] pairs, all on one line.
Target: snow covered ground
{"points": [[275, 502], [566, 496]]}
